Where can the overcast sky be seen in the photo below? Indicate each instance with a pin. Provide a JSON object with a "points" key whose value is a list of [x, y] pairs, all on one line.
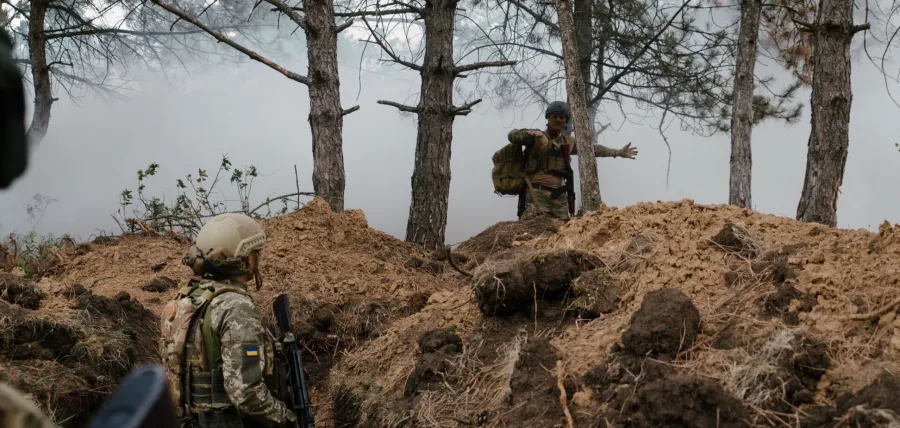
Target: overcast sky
{"points": [[256, 116]]}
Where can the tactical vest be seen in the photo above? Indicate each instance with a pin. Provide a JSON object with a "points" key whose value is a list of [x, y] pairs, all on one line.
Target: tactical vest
{"points": [[193, 362], [550, 158]]}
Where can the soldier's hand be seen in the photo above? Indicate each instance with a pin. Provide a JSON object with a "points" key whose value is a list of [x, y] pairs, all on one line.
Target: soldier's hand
{"points": [[628, 151], [537, 134]]}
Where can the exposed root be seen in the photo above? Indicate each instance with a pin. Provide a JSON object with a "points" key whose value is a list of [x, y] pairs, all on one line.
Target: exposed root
{"points": [[874, 314], [560, 375], [454, 265]]}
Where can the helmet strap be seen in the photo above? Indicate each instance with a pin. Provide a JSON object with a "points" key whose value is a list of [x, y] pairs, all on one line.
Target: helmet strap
{"points": [[257, 277]]}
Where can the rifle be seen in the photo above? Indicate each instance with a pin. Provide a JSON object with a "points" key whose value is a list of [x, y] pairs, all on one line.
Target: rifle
{"points": [[570, 178], [300, 402]]}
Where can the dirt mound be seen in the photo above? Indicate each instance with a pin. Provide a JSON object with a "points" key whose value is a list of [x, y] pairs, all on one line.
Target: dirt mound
{"points": [[666, 323], [665, 314], [346, 282], [19, 291], [516, 281], [69, 364], [772, 320], [506, 235], [686, 401]]}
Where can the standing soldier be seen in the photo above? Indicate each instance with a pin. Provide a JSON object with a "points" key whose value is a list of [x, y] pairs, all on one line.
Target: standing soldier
{"points": [[219, 358], [548, 163]]}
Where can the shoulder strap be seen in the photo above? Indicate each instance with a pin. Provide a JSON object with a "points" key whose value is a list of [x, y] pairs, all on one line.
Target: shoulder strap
{"points": [[567, 150], [211, 345]]}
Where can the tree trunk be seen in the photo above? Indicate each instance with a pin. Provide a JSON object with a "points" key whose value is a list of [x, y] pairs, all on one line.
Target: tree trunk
{"points": [[575, 84], [40, 72], [325, 114], [742, 111], [583, 16], [431, 177], [829, 137]]}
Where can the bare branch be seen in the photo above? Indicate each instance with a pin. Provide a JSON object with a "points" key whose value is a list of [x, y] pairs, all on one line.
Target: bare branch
{"points": [[287, 10], [479, 65], [400, 107], [343, 26], [218, 36], [389, 51], [115, 31], [270, 200], [862, 27], [537, 17], [349, 110], [627, 69], [466, 108], [361, 13]]}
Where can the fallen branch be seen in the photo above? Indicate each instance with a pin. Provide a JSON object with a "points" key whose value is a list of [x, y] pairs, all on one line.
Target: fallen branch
{"points": [[453, 263], [562, 393], [140, 223], [270, 200], [875, 314]]}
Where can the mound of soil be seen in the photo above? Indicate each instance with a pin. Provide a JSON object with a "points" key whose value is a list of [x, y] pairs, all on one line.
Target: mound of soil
{"points": [[506, 235], [20, 291], [684, 401], [596, 293], [517, 281], [666, 324], [813, 303], [346, 283], [794, 317], [70, 365]]}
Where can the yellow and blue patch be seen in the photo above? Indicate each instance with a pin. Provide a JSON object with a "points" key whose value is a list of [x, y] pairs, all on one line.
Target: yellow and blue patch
{"points": [[251, 350]]}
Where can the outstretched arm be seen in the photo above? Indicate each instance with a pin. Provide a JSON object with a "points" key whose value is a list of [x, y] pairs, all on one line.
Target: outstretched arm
{"points": [[602, 151]]}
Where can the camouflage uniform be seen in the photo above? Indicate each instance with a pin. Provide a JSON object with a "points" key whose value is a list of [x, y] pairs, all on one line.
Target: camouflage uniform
{"points": [[546, 157], [236, 388], [16, 411], [219, 358]]}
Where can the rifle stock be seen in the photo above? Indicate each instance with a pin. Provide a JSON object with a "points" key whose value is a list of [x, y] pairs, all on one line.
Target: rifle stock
{"points": [[300, 404]]}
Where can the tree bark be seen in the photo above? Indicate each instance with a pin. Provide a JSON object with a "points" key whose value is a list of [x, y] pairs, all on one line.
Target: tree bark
{"points": [[742, 110], [325, 114], [431, 177], [40, 72], [583, 16], [575, 84], [829, 137]]}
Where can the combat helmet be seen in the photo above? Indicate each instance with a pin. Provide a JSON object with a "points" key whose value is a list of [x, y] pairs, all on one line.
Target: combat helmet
{"points": [[223, 246], [560, 108]]}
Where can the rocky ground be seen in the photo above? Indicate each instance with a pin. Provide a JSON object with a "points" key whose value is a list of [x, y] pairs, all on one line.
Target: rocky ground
{"points": [[662, 314]]}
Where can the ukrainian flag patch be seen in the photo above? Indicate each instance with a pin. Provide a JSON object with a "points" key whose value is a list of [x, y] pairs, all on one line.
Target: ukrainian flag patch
{"points": [[251, 350]]}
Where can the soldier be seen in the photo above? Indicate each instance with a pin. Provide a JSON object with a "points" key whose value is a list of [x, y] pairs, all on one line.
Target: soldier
{"points": [[548, 163], [218, 357]]}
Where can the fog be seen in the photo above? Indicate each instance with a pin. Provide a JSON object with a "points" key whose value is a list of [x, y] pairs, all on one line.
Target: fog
{"points": [[256, 116]]}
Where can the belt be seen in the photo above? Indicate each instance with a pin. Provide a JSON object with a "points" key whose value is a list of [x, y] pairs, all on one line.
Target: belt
{"points": [[555, 192]]}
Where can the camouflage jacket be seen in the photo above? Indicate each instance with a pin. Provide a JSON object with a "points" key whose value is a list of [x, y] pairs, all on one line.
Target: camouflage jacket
{"points": [[240, 349], [523, 137], [244, 343]]}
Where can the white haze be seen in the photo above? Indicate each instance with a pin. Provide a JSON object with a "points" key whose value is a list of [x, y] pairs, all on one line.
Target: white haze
{"points": [[256, 116]]}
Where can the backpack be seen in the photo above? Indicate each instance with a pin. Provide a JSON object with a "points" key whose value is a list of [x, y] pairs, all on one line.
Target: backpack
{"points": [[179, 325], [508, 173]]}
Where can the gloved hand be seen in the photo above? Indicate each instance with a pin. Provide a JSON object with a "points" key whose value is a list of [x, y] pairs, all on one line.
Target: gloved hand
{"points": [[628, 151]]}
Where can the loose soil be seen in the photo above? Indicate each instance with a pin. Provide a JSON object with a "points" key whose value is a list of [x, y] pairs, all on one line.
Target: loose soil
{"points": [[657, 314]]}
